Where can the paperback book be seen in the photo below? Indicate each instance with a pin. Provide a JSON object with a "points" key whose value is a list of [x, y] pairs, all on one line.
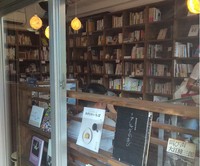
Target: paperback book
{"points": [[91, 128], [36, 115], [36, 152], [132, 136]]}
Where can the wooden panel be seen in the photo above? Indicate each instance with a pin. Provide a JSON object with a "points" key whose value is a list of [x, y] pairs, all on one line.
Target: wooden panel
{"points": [[164, 108]]}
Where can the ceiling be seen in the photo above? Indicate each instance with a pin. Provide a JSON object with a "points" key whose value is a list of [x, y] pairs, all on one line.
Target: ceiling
{"points": [[82, 7], [89, 7]]}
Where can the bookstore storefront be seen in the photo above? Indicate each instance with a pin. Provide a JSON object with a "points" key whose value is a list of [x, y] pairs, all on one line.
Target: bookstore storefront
{"points": [[23, 46], [139, 113]]}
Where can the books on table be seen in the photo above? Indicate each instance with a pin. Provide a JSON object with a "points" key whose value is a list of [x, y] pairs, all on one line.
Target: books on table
{"points": [[132, 136], [91, 128], [36, 115]]}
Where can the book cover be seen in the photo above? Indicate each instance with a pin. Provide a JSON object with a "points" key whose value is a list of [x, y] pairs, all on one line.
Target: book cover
{"points": [[46, 122], [132, 136], [36, 152], [194, 30], [49, 155], [91, 128], [36, 115], [162, 33]]}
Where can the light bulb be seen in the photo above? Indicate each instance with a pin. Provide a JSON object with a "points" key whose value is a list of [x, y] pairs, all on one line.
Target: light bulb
{"points": [[76, 24], [35, 22], [47, 32], [193, 6]]}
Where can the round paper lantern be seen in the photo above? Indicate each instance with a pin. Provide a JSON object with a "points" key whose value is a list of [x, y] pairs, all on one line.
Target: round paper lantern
{"points": [[47, 32], [193, 6], [35, 22], [76, 24]]}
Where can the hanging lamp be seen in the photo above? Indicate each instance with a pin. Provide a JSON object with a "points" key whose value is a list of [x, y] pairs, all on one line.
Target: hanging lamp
{"points": [[193, 6], [35, 22], [46, 32], [76, 23]]}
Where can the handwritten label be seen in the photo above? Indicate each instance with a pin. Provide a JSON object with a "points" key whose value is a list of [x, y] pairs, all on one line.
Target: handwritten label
{"points": [[132, 126], [181, 148]]}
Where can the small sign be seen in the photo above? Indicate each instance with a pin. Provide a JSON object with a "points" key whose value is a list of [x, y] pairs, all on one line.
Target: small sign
{"points": [[181, 148]]}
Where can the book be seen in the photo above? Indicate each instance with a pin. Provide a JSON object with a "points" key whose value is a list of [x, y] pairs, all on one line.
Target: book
{"points": [[132, 136], [194, 30], [36, 115], [49, 154], [162, 33], [46, 122], [36, 151], [180, 153], [91, 128]]}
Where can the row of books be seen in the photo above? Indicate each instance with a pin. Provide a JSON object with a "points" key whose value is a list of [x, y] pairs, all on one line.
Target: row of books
{"points": [[159, 87], [136, 18], [132, 84], [29, 54], [154, 14], [183, 50], [116, 39], [24, 40], [159, 70], [154, 50], [99, 81], [81, 41], [137, 35], [10, 39], [100, 25], [118, 69], [182, 70], [117, 21], [115, 54], [10, 53], [80, 69], [137, 52], [134, 69], [44, 54], [115, 84], [96, 68]]}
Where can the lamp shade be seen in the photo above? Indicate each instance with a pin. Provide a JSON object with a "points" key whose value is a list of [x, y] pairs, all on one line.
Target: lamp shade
{"points": [[35, 22], [47, 32], [76, 24], [193, 6]]}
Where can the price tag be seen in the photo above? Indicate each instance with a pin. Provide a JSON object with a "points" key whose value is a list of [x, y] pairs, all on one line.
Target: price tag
{"points": [[181, 148]]}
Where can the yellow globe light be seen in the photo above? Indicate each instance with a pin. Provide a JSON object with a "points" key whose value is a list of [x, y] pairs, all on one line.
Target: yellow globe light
{"points": [[193, 6], [35, 22], [47, 32], [76, 24]]}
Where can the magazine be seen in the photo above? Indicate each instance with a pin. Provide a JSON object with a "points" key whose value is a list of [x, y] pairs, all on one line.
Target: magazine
{"points": [[91, 128]]}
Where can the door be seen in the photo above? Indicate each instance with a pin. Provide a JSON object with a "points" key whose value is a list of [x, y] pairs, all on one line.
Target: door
{"points": [[15, 69]]}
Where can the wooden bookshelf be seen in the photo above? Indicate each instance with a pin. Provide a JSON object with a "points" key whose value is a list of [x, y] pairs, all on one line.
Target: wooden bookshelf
{"points": [[26, 54], [135, 29]]}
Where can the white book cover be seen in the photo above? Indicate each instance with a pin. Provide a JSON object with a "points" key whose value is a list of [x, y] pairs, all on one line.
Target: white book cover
{"points": [[36, 115], [91, 128], [194, 30]]}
